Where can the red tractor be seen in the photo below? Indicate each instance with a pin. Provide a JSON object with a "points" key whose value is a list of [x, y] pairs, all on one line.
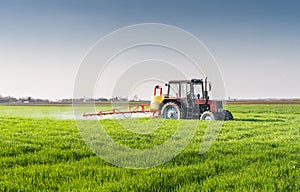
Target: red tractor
{"points": [[188, 99]]}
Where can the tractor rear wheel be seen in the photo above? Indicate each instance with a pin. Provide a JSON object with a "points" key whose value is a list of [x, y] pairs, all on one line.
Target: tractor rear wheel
{"points": [[170, 110], [207, 116]]}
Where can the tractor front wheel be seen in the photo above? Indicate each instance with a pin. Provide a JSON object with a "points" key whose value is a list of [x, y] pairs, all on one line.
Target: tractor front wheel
{"points": [[207, 116], [170, 110], [228, 115]]}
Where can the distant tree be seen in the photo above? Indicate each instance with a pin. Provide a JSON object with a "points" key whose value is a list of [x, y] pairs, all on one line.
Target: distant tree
{"points": [[135, 97]]}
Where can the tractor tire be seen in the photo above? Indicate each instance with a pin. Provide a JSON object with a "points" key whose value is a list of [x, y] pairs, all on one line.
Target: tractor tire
{"points": [[170, 110], [219, 116], [207, 116], [228, 115]]}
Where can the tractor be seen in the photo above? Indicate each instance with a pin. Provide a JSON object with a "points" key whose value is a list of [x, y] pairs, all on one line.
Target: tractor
{"points": [[188, 99]]}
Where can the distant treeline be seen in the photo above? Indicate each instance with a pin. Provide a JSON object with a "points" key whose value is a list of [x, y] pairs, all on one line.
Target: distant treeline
{"points": [[10, 99]]}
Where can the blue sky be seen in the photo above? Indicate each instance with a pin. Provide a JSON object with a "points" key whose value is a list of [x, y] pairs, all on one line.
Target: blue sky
{"points": [[256, 43]]}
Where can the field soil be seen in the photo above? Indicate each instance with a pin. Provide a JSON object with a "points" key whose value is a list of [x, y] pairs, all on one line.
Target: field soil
{"points": [[108, 103]]}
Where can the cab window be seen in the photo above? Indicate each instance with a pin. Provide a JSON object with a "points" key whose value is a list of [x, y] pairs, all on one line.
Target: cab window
{"points": [[174, 90]]}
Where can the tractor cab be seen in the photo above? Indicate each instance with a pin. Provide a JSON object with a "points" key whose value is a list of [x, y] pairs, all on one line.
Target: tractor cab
{"points": [[188, 89], [189, 99]]}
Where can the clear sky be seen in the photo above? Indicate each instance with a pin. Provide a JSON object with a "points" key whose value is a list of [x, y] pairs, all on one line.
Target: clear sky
{"points": [[255, 42]]}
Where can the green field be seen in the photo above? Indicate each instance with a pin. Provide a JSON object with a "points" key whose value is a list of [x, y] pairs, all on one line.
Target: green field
{"points": [[258, 151]]}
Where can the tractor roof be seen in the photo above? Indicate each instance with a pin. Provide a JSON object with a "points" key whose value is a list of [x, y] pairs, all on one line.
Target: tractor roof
{"points": [[187, 81]]}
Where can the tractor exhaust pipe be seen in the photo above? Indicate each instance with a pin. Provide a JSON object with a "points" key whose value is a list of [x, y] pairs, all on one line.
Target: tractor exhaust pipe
{"points": [[205, 90]]}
